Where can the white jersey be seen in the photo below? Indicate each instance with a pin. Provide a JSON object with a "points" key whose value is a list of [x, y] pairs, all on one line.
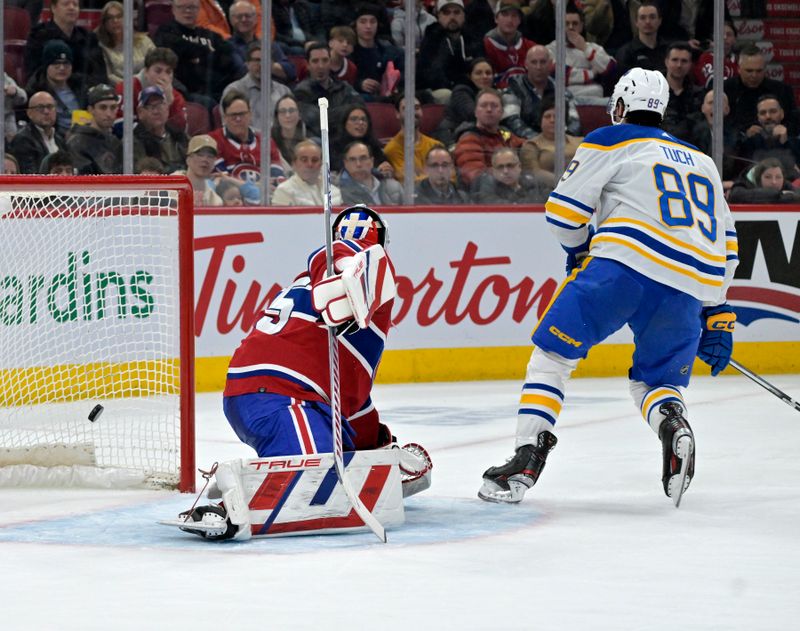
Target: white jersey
{"points": [[659, 205]]}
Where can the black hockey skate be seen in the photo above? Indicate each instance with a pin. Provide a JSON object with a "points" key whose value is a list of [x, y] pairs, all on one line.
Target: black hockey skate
{"points": [[508, 483], [677, 446]]}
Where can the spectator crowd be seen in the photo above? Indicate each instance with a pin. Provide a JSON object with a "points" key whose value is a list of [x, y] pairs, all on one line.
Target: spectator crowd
{"points": [[484, 108]]}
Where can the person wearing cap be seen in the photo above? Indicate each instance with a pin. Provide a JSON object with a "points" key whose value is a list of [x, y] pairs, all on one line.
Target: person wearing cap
{"points": [[250, 84], [159, 69], [40, 137], [56, 76], [206, 61], [200, 158], [371, 55], [153, 137], [86, 54], [94, 148], [447, 50], [504, 45]]}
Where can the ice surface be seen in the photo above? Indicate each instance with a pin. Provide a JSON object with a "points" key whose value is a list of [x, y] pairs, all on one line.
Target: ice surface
{"points": [[595, 545]]}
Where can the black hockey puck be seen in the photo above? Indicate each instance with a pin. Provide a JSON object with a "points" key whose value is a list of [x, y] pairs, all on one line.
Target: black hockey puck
{"points": [[97, 410]]}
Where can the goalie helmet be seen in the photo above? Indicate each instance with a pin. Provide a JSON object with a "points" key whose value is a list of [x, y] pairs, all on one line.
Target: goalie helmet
{"points": [[639, 90], [361, 223]]}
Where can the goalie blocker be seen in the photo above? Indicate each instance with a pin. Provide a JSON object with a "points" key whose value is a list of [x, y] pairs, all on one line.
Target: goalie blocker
{"points": [[299, 495], [366, 282]]}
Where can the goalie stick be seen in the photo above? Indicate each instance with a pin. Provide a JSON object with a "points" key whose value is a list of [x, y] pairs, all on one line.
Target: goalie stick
{"points": [[333, 342], [766, 385]]}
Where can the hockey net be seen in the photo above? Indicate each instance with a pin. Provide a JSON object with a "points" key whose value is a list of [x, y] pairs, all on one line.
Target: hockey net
{"points": [[96, 308]]}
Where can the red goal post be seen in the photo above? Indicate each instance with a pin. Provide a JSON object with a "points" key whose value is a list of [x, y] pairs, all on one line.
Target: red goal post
{"points": [[97, 307]]}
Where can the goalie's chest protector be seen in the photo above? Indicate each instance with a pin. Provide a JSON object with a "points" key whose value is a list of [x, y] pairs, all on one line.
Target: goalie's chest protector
{"points": [[287, 351]]}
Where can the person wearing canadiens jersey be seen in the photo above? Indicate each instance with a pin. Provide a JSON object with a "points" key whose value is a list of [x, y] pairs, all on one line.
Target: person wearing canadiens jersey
{"points": [[660, 260], [278, 389]]}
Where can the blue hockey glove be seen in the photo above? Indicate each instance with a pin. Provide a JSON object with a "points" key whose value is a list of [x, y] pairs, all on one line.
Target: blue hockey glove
{"points": [[577, 254], [716, 341]]}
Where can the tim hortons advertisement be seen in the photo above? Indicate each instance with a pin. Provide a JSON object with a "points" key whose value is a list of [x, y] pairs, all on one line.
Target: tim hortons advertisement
{"points": [[465, 279]]}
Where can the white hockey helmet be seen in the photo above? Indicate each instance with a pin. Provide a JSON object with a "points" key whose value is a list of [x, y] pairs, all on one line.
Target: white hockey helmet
{"points": [[363, 223], [639, 90]]}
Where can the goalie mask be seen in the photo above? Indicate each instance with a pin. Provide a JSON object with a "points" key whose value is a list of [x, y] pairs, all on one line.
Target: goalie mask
{"points": [[639, 90], [361, 223]]}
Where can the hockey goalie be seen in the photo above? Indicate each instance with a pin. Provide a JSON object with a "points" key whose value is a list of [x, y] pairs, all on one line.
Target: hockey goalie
{"points": [[277, 399]]}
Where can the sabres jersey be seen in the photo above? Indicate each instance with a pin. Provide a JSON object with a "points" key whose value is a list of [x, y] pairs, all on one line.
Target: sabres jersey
{"points": [[658, 206], [287, 350]]}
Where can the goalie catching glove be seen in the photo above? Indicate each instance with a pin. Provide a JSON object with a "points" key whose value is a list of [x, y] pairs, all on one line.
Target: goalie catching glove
{"points": [[365, 284], [716, 340]]}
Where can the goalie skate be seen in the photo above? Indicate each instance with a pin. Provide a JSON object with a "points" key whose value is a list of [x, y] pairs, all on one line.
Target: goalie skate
{"points": [[677, 444], [415, 469], [508, 483], [210, 522]]}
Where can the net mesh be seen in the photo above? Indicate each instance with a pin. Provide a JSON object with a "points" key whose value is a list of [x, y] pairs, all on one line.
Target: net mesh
{"points": [[89, 314]]}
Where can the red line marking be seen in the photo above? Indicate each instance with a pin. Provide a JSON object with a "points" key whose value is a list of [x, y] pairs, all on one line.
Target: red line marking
{"points": [[303, 428]]}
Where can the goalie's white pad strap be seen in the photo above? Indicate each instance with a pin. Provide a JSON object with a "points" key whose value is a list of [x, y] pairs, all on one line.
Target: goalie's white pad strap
{"points": [[229, 482], [328, 297], [290, 495], [369, 283]]}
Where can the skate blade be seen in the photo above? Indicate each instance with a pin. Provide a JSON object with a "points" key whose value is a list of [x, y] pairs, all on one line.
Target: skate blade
{"points": [[679, 483], [195, 527], [491, 492]]}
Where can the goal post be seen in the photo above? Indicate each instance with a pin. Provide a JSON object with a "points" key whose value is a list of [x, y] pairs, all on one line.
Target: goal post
{"points": [[96, 309]]}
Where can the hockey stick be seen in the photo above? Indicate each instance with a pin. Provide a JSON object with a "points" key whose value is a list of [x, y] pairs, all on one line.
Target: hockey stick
{"points": [[766, 385], [333, 342]]}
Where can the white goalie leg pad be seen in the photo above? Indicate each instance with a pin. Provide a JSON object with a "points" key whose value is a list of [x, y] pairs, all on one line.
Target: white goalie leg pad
{"points": [[545, 378], [368, 283], [415, 469], [297, 495], [228, 478], [329, 298]]}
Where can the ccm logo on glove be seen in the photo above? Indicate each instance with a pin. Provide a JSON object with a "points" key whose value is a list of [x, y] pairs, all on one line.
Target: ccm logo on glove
{"points": [[721, 321]]}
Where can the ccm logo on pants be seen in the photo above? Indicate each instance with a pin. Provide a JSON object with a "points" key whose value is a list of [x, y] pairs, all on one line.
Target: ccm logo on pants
{"points": [[564, 337]]}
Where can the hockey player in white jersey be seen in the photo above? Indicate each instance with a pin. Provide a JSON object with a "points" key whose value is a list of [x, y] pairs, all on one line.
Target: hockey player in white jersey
{"points": [[660, 260]]}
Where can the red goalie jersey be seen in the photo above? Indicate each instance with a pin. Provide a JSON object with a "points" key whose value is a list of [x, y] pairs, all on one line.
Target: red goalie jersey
{"points": [[287, 351]]}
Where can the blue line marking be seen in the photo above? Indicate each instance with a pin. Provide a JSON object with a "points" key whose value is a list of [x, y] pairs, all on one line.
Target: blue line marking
{"points": [[325, 489], [286, 493]]}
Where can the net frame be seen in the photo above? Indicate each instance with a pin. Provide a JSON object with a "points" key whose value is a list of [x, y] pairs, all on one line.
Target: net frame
{"points": [[106, 186]]}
